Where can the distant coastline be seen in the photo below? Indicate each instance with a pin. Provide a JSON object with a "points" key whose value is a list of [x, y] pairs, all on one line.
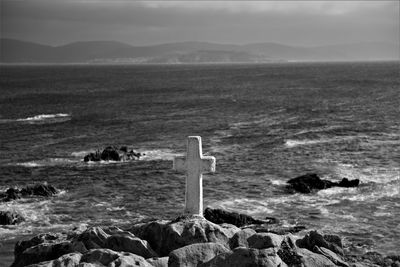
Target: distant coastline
{"points": [[110, 52]]}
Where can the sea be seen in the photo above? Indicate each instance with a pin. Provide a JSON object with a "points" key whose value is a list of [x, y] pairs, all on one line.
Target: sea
{"points": [[264, 123]]}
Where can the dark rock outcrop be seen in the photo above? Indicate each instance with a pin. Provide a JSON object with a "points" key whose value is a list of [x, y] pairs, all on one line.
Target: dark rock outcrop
{"points": [[111, 153], [219, 216], [188, 241], [43, 190], [313, 239], [166, 236], [10, 218], [310, 182]]}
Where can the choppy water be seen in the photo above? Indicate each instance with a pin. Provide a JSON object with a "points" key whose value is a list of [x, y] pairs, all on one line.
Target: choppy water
{"points": [[265, 124]]}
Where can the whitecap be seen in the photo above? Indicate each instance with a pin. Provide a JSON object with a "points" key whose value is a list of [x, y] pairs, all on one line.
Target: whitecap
{"points": [[46, 118], [45, 162], [159, 154], [81, 154], [290, 143]]}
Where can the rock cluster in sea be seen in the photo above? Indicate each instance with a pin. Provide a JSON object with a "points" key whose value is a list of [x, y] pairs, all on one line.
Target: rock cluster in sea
{"points": [[310, 182], [114, 154], [188, 241], [38, 190]]}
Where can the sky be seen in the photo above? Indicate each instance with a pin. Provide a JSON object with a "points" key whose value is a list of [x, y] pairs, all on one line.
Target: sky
{"points": [[299, 23]]}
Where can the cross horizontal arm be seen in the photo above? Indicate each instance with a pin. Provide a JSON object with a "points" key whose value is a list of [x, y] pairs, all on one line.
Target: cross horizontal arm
{"points": [[179, 164], [208, 164]]}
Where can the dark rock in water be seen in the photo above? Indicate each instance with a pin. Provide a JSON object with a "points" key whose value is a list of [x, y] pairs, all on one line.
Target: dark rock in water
{"points": [[219, 216], [92, 157], [10, 218], [43, 190], [114, 154], [309, 182], [10, 194], [349, 183], [110, 153]]}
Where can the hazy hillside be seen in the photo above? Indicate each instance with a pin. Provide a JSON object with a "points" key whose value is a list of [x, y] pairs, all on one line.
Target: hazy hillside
{"points": [[14, 51]]}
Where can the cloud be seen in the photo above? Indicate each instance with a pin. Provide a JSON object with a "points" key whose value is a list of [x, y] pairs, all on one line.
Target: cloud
{"points": [[150, 22]]}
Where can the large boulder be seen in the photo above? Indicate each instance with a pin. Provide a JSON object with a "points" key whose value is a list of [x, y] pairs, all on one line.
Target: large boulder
{"points": [[311, 181], [310, 259], [158, 262], [129, 260], [100, 256], [129, 243], [47, 252], [219, 216], [110, 258], [195, 254], [313, 238], [241, 257], [67, 260], [166, 236], [22, 245], [239, 239], [9, 218], [94, 237], [264, 240]]}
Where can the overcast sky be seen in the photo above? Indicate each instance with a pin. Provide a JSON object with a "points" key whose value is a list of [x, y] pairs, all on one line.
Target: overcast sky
{"points": [[304, 23]]}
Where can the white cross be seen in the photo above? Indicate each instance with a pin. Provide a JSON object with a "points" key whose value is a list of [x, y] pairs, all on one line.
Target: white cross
{"points": [[195, 164]]}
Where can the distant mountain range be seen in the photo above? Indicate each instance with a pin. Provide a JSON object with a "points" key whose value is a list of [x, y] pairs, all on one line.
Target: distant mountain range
{"points": [[15, 51]]}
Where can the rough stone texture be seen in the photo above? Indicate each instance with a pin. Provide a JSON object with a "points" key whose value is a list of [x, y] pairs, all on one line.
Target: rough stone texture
{"points": [[68, 260], [239, 239], [129, 260], [288, 251], [20, 246], [164, 237], [219, 216], [313, 238], [10, 218], [100, 256], [331, 256], [158, 262], [243, 257], [93, 237], [47, 251], [264, 240], [192, 255], [129, 243], [310, 259]]}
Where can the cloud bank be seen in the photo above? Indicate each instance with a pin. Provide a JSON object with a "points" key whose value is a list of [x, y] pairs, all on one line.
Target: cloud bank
{"points": [[151, 22]]}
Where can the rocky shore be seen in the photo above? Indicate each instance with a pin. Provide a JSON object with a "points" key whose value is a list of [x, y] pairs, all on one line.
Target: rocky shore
{"points": [[192, 241]]}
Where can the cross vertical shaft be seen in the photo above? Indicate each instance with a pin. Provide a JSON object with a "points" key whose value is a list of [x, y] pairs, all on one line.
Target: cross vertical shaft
{"points": [[194, 164]]}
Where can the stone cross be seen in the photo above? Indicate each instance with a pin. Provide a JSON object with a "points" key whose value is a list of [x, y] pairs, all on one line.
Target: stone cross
{"points": [[195, 164]]}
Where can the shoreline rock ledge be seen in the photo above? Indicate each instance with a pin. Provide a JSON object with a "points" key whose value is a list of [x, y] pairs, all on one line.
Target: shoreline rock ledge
{"points": [[185, 241]]}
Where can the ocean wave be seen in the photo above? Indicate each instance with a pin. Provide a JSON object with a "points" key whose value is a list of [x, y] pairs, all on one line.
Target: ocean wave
{"points": [[290, 143], [45, 118], [159, 154], [46, 162]]}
